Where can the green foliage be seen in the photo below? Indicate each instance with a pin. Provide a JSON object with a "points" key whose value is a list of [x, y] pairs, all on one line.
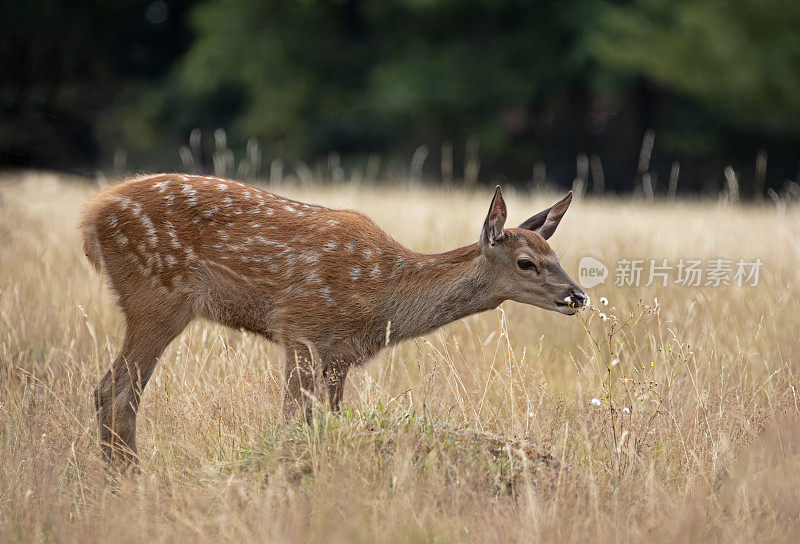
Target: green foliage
{"points": [[738, 58], [529, 81], [309, 77]]}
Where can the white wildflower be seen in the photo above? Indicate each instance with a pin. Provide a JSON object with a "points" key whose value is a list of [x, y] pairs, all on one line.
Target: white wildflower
{"points": [[614, 362], [604, 301], [626, 410], [603, 316], [595, 402]]}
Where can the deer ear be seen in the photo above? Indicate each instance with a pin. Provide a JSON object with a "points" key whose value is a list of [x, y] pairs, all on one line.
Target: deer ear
{"points": [[546, 221], [492, 232]]}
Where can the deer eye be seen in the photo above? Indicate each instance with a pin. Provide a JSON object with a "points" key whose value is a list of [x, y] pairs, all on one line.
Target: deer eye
{"points": [[525, 264]]}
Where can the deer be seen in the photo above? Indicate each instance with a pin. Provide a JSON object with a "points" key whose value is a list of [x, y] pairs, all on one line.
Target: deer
{"points": [[327, 285]]}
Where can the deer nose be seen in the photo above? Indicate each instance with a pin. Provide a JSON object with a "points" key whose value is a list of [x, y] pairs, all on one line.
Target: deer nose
{"points": [[578, 298]]}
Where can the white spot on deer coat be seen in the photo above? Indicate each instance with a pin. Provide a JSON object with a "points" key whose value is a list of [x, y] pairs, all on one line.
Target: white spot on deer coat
{"points": [[191, 194], [208, 213], [313, 277], [147, 223], [309, 257], [368, 254], [170, 260], [375, 272], [113, 220], [325, 293], [175, 240], [330, 245], [161, 186], [355, 273], [190, 254], [121, 239], [124, 201]]}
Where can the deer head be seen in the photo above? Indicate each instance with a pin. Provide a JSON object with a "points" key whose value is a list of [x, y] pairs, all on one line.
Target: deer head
{"points": [[521, 264]]}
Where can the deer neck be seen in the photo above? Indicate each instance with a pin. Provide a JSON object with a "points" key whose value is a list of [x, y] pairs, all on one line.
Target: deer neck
{"points": [[438, 289]]}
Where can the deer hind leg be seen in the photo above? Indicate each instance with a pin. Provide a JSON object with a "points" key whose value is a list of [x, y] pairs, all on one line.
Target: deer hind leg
{"points": [[119, 392]]}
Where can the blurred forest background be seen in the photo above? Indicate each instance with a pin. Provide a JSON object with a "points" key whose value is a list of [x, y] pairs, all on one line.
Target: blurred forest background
{"points": [[529, 90]]}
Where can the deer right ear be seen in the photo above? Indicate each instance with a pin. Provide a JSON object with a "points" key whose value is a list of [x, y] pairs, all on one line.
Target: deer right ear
{"points": [[492, 232], [546, 221]]}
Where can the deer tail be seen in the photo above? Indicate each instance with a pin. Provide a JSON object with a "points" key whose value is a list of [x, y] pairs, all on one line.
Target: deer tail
{"points": [[88, 228]]}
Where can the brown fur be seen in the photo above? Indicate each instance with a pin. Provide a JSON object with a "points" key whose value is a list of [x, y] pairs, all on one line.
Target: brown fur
{"points": [[325, 284]]}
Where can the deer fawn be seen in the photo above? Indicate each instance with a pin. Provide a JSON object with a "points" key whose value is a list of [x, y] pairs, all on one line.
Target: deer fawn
{"points": [[328, 285]]}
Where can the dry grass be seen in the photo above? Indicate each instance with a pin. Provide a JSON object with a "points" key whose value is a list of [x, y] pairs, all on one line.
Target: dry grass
{"points": [[483, 431]]}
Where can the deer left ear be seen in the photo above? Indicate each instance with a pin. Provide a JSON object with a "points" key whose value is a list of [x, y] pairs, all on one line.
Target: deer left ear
{"points": [[546, 221], [492, 232]]}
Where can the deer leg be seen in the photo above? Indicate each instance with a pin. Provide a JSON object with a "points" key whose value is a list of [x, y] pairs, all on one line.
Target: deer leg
{"points": [[119, 392], [300, 385], [334, 377]]}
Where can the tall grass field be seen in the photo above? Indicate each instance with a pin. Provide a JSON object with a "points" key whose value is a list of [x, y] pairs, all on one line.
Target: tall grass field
{"points": [[662, 414]]}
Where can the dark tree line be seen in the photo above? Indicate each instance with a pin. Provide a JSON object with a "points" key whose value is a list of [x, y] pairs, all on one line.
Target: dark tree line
{"points": [[519, 82]]}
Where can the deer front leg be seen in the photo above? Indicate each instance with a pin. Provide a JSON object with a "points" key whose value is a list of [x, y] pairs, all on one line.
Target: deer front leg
{"points": [[300, 386], [334, 377]]}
